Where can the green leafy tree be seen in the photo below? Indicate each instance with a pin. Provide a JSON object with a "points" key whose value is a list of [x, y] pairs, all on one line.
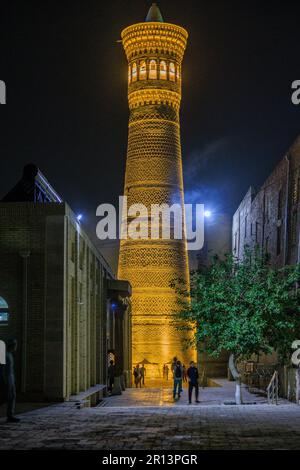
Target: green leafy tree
{"points": [[244, 308]]}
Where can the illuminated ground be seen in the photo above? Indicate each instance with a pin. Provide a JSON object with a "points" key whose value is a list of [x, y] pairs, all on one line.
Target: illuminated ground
{"points": [[126, 423], [160, 394]]}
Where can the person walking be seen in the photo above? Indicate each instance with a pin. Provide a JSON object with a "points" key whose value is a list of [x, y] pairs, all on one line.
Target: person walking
{"points": [[111, 375], [143, 374], [184, 374], [177, 380], [173, 365], [3, 388], [193, 376], [167, 372], [11, 347], [137, 376]]}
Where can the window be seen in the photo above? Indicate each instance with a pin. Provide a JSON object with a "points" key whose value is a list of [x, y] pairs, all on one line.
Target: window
{"points": [[267, 208], [4, 312], [294, 228], [143, 70], [267, 247], [73, 240], [256, 232], [153, 70], [172, 72], [279, 205], [235, 241], [129, 74], [163, 70], [134, 72], [246, 221], [82, 253], [278, 241]]}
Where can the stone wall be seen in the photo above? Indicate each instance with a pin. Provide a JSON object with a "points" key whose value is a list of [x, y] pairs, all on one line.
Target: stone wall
{"points": [[289, 383]]}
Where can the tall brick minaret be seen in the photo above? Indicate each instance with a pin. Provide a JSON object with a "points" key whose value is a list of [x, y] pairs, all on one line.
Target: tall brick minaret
{"points": [[154, 50]]}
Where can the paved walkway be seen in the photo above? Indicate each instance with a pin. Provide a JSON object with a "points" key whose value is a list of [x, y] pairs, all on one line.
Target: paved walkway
{"points": [[162, 396], [125, 423]]}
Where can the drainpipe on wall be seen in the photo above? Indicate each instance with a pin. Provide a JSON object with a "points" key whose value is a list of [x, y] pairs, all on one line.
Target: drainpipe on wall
{"points": [[298, 254], [263, 224], [25, 256], [238, 236], [285, 257]]}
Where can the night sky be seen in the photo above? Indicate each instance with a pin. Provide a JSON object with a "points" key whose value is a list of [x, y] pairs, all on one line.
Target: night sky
{"points": [[66, 79]]}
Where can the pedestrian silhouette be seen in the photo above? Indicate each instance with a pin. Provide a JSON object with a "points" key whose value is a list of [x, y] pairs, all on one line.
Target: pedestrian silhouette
{"points": [[11, 347], [177, 380], [193, 376], [111, 375], [143, 374], [137, 376]]}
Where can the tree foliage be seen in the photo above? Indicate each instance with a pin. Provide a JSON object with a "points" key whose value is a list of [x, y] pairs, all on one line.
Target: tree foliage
{"points": [[244, 307]]}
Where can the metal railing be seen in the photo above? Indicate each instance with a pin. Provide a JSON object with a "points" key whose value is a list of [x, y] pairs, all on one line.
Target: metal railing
{"points": [[257, 376], [272, 389]]}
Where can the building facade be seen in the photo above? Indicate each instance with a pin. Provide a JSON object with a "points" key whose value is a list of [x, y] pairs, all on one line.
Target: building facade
{"points": [[154, 51], [270, 220], [58, 291], [270, 217]]}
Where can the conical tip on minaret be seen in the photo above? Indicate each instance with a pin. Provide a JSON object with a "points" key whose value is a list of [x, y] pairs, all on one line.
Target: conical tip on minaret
{"points": [[154, 14]]}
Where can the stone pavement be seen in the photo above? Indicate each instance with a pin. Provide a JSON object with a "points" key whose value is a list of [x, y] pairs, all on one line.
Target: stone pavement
{"points": [[162, 396], [118, 425]]}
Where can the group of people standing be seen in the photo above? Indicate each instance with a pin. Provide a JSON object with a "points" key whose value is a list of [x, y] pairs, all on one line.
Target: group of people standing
{"points": [[139, 374], [180, 375]]}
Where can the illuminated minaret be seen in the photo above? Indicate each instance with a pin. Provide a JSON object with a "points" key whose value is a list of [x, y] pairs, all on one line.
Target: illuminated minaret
{"points": [[154, 50]]}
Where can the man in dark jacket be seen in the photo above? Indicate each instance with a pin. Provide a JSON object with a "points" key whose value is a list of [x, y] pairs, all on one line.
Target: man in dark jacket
{"points": [[177, 374], [10, 381], [111, 375], [193, 376]]}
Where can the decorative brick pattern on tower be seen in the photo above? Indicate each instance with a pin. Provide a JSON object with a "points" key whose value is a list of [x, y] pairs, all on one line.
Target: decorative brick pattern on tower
{"points": [[154, 51]]}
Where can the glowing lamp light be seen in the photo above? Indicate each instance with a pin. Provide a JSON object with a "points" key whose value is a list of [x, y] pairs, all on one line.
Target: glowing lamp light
{"points": [[207, 214], [114, 306], [79, 217]]}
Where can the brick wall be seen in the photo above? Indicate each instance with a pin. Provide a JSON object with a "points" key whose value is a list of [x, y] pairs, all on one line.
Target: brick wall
{"points": [[270, 218], [54, 281]]}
